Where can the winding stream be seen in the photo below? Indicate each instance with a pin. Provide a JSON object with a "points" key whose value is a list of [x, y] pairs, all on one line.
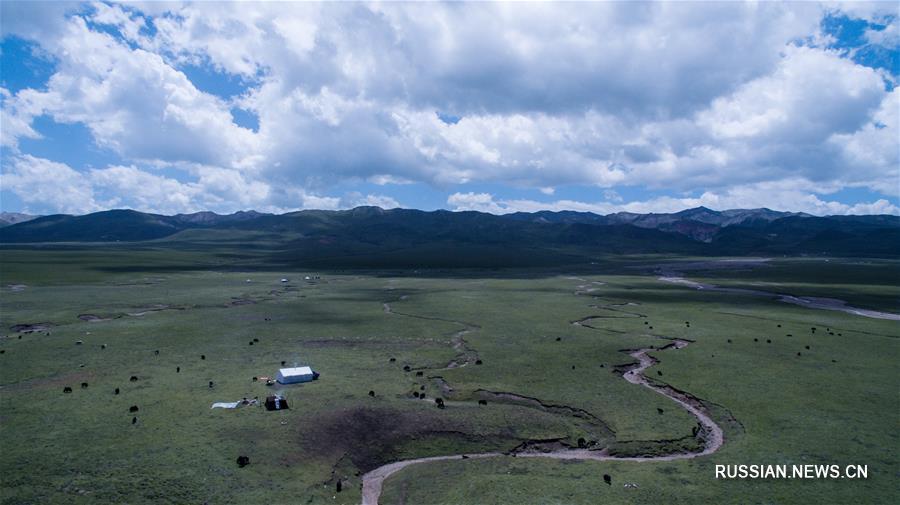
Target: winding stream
{"points": [[712, 433], [810, 302]]}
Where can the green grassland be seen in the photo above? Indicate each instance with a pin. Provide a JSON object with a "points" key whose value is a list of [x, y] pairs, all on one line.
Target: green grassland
{"points": [[836, 402]]}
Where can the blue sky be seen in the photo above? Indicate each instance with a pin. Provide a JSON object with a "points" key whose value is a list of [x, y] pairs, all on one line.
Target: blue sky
{"points": [[595, 107]]}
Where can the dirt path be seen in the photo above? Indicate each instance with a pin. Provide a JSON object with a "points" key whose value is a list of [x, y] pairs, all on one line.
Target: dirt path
{"points": [[712, 433]]}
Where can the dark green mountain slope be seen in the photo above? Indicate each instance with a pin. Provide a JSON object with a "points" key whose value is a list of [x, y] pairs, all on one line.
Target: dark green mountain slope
{"points": [[370, 236]]}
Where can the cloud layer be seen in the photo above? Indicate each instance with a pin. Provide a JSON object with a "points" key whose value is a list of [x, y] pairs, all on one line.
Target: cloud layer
{"points": [[728, 105]]}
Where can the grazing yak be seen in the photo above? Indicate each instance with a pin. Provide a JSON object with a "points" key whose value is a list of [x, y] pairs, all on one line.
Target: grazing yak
{"points": [[133, 408], [67, 389], [243, 461]]}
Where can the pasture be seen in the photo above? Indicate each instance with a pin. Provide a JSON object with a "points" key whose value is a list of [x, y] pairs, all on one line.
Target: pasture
{"points": [[781, 392]]}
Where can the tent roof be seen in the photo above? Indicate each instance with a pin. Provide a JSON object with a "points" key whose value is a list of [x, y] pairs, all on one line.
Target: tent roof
{"points": [[300, 370]]}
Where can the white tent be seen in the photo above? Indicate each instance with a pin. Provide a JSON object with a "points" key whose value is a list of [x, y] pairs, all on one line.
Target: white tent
{"points": [[294, 375]]}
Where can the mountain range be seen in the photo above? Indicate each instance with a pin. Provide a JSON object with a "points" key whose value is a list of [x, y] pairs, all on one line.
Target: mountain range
{"points": [[8, 218], [371, 236]]}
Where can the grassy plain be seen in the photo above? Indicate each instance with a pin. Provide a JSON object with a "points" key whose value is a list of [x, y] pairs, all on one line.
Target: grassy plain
{"points": [[836, 402]]}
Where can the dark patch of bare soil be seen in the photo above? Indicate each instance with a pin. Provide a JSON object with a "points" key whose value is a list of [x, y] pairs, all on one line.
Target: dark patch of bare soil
{"points": [[370, 436]]}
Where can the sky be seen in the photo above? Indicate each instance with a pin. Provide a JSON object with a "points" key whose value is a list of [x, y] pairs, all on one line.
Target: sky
{"points": [[179, 107]]}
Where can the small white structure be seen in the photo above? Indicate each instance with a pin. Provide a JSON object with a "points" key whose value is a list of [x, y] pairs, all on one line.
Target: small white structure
{"points": [[295, 375], [284, 280]]}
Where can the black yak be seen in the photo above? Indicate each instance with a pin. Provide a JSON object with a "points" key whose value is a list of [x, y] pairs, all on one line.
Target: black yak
{"points": [[607, 479], [133, 408], [243, 461], [67, 389]]}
